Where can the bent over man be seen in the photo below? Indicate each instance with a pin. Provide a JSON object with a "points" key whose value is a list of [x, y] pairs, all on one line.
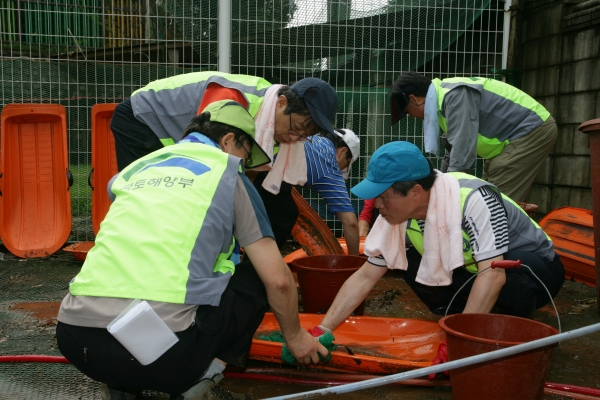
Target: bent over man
{"points": [[484, 117], [457, 225]]}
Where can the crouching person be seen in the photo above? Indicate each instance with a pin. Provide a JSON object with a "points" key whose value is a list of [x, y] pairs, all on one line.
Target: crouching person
{"points": [[457, 225], [172, 238]]}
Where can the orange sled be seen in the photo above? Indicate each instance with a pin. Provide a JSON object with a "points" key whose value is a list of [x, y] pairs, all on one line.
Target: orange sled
{"points": [[35, 205], [311, 232], [572, 231], [367, 344], [104, 161]]}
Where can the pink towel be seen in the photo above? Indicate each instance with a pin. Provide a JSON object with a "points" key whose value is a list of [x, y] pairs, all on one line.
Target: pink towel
{"points": [[289, 166], [264, 121], [442, 242], [290, 163]]}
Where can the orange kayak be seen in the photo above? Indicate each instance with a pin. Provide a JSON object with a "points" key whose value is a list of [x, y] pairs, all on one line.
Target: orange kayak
{"points": [[572, 231], [376, 344]]}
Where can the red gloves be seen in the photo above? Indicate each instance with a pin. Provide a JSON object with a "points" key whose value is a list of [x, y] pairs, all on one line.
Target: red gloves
{"points": [[442, 357], [318, 331]]}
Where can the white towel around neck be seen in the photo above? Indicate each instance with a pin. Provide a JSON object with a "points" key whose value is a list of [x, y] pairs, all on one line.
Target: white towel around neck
{"points": [[442, 241]]}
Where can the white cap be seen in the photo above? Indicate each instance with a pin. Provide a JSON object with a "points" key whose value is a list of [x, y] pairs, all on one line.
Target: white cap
{"points": [[353, 143]]}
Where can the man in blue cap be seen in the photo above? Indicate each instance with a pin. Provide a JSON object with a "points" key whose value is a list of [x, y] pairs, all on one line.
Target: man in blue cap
{"points": [[485, 226]]}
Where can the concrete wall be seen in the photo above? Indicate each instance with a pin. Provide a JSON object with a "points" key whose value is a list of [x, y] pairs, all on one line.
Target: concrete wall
{"points": [[560, 63]]}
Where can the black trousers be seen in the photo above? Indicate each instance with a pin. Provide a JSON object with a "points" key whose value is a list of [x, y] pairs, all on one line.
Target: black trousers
{"points": [[281, 209], [133, 138], [224, 332], [520, 296]]}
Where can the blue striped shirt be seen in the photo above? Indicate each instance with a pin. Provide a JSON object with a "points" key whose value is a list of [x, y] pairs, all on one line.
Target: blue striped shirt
{"points": [[324, 175]]}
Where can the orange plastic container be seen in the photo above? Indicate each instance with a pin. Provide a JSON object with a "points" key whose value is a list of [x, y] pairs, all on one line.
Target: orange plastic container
{"points": [[379, 345], [320, 278], [572, 231], [104, 161], [35, 206], [521, 376], [80, 249], [301, 253]]}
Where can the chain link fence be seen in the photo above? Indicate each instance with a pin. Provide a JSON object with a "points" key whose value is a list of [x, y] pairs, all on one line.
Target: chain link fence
{"points": [[83, 52]]}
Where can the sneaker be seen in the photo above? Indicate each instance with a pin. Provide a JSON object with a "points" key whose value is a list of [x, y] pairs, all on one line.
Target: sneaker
{"points": [[112, 394], [200, 391]]}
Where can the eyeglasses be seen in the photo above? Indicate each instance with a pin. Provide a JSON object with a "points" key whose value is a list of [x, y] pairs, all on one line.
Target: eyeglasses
{"points": [[297, 134], [249, 160]]}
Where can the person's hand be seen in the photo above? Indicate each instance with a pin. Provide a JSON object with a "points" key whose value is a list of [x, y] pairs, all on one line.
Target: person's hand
{"points": [[441, 357], [304, 348]]}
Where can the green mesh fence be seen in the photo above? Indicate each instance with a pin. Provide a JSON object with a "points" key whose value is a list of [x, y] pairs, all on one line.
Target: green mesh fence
{"points": [[82, 52]]}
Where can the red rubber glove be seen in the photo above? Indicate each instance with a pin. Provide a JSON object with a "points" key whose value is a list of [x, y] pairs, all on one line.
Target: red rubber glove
{"points": [[442, 357], [318, 330]]}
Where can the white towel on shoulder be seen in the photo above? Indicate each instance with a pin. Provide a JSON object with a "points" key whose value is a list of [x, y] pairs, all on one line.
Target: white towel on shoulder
{"points": [[290, 164], [264, 121], [442, 242]]}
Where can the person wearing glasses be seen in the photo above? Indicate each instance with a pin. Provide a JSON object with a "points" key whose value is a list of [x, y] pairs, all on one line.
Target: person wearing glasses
{"points": [[172, 240], [479, 116], [156, 115]]}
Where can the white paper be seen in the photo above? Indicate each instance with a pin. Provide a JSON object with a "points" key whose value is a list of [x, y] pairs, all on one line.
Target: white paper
{"points": [[141, 331]]}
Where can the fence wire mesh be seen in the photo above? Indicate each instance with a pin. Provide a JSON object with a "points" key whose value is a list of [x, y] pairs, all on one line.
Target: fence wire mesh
{"points": [[82, 52]]}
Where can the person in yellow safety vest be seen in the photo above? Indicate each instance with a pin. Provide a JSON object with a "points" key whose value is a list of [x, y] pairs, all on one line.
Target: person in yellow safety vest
{"points": [[463, 224], [156, 115], [479, 116], [172, 238]]}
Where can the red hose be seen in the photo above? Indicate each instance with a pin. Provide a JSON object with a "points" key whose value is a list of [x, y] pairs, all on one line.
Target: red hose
{"points": [[34, 358], [327, 378]]}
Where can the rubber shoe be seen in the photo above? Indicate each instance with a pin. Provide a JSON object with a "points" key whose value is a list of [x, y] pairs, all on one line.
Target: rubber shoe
{"points": [[200, 391], [112, 394]]}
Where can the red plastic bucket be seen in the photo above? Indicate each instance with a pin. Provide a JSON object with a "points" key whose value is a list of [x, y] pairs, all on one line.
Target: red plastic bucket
{"points": [[521, 376], [321, 277]]}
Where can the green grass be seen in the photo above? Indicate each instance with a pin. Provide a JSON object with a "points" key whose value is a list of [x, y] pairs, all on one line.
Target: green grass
{"points": [[81, 193]]}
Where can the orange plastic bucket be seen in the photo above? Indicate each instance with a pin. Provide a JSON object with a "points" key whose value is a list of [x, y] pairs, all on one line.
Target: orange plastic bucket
{"points": [[321, 277], [521, 376]]}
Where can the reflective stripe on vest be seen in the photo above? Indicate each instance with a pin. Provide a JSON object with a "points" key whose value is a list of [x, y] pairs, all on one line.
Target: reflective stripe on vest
{"points": [[168, 105], [522, 229], [506, 113], [190, 185]]}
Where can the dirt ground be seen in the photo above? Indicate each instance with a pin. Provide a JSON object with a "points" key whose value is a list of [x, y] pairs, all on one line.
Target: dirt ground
{"points": [[574, 362]]}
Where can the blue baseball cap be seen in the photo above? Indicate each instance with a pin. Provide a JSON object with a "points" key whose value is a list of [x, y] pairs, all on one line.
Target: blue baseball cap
{"points": [[393, 162], [321, 101]]}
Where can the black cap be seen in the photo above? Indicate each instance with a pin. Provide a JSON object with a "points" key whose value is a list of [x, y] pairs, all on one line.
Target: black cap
{"points": [[320, 99], [399, 102]]}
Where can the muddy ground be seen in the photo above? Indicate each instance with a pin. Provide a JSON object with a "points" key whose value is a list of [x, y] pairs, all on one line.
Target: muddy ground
{"points": [[575, 362]]}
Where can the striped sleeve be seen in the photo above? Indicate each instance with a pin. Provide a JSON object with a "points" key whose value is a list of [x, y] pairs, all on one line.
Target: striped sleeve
{"points": [[324, 175], [485, 221]]}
